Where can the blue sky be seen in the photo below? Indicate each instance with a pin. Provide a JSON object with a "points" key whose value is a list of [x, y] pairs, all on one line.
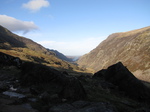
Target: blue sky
{"points": [[73, 27]]}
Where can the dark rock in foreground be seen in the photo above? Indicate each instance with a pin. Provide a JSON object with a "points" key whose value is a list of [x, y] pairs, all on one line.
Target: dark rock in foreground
{"points": [[42, 78], [83, 106], [8, 60], [100, 73], [120, 76]]}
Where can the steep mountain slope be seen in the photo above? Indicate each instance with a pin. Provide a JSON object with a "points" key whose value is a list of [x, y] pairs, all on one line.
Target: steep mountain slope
{"points": [[74, 58], [132, 48], [61, 56], [29, 50], [9, 40]]}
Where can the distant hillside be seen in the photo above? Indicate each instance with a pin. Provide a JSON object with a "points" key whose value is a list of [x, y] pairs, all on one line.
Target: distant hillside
{"points": [[61, 56], [29, 50], [74, 58], [132, 48]]}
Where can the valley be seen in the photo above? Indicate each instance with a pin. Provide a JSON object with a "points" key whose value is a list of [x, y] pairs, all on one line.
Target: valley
{"points": [[37, 79]]}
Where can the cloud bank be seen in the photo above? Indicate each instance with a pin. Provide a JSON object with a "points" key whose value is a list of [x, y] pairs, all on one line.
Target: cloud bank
{"points": [[35, 5], [16, 25]]}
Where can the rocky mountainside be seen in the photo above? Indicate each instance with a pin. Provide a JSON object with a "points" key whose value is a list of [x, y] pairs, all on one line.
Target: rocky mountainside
{"points": [[132, 48], [29, 50], [8, 40], [61, 56]]}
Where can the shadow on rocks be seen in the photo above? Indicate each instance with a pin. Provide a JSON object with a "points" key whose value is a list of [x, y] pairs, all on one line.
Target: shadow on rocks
{"points": [[121, 77], [44, 78]]}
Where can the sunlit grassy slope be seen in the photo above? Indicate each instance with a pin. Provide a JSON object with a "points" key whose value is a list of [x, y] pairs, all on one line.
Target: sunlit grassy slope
{"points": [[132, 48]]}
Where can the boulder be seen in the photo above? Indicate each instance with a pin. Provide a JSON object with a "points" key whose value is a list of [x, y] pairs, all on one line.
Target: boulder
{"points": [[3, 86], [72, 89], [62, 108], [120, 76], [100, 74], [16, 108], [83, 106], [45, 78], [8, 60], [97, 107], [33, 74]]}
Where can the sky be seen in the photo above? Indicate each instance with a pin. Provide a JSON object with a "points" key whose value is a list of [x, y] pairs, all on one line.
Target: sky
{"points": [[73, 27]]}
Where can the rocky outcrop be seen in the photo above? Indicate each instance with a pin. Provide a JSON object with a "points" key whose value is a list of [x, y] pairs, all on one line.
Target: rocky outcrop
{"points": [[3, 86], [7, 60], [100, 73], [66, 87], [61, 56], [131, 48], [83, 106], [121, 77]]}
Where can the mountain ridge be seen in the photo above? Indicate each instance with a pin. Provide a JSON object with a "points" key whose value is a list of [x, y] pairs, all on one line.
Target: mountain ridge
{"points": [[131, 48], [28, 50], [61, 56], [14, 40]]}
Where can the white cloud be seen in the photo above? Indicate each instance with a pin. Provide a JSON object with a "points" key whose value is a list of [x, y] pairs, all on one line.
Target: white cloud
{"points": [[15, 25], [35, 5], [79, 47]]}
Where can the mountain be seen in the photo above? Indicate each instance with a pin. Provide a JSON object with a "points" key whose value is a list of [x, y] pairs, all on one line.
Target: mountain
{"points": [[29, 50], [32, 87], [61, 56], [74, 58], [8, 40], [132, 48]]}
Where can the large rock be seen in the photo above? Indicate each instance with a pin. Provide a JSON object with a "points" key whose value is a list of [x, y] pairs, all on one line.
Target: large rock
{"points": [[8, 60], [100, 73], [52, 81], [83, 106], [3, 86], [16, 108], [72, 89], [120, 76]]}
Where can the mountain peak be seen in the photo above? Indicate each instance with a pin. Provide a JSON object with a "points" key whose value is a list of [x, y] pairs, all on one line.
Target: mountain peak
{"points": [[4, 30]]}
